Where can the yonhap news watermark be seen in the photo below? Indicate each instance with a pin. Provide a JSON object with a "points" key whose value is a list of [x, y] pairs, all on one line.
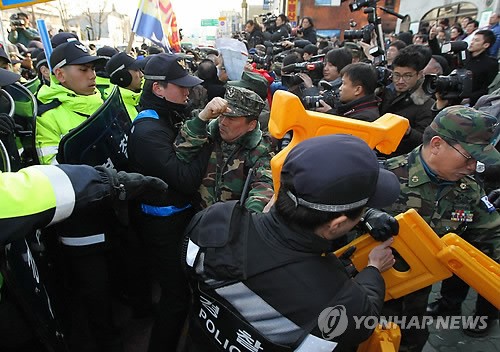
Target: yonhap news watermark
{"points": [[333, 322]]}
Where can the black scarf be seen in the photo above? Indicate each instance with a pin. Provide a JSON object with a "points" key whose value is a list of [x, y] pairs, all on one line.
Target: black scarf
{"points": [[163, 107]]}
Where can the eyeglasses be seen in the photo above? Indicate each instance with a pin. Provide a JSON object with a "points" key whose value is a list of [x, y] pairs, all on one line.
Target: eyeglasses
{"points": [[406, 77], [467, 157]]}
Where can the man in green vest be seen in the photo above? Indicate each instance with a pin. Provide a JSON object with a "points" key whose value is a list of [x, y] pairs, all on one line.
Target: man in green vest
{"points": [[70, 99], [126, 72]]}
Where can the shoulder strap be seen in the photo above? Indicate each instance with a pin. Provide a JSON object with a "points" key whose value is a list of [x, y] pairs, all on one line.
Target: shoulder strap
{"points": [[43, 108], [145, 114]]}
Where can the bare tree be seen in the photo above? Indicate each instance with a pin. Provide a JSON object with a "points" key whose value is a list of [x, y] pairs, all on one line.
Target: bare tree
{"points": [[96, 19], [63, 13]]}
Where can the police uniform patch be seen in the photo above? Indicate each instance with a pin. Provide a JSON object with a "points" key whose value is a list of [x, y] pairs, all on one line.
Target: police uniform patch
{"points": [[462, 215]]}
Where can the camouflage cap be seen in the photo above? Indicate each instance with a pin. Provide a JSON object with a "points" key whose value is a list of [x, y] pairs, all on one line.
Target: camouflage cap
{"points": [[252, 81], [476, 131], [243, 102]]}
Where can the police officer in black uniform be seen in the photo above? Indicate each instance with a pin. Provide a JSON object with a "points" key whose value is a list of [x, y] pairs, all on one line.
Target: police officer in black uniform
{"points": [[151, 152], [260, 281]]}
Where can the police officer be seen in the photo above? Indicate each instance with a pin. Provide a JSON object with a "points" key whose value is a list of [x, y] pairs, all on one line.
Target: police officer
{"points": [[39, 196], [102, 80], [237, 145], [151, 152], [125, 71], [436, 180], [260, 281], [70, 99]]}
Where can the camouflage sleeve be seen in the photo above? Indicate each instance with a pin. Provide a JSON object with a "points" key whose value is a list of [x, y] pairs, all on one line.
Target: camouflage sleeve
{"points": [[484, 232], [191, 138], [261, 188]]}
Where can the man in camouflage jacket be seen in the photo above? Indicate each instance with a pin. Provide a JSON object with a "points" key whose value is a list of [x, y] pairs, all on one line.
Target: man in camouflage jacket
{"points": [[238, 145], [436, 180]]}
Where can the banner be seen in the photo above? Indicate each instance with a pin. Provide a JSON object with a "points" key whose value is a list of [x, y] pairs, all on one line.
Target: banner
{"points": [[292, 11], [156, 20], [10, 4]]}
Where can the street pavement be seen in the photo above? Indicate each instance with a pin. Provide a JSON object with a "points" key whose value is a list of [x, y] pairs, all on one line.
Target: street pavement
{"points": [[455, 340]]}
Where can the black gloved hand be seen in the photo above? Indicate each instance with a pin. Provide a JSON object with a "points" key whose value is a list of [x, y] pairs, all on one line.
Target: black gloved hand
{"points": [[7, 125], [133, 186], [494, 198], [380, 225]]}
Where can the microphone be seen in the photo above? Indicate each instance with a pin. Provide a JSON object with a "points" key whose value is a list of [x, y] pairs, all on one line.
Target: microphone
{"points": [[390, 12]]}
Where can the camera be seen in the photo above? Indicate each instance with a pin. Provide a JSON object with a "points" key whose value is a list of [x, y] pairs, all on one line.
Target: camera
{"points": [[384, 76], [358, 4], [269, 21], [306, 66], [364, 34], [262, 61], [16, 20], [330, 96], [458, 84], [313, 69]]}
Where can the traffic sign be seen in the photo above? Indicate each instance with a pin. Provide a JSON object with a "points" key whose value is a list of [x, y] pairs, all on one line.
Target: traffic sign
{"points": [[210, 22]]}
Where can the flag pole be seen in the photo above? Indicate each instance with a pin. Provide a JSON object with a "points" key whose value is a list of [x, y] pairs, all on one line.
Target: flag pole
{"points": [[130, 42]]}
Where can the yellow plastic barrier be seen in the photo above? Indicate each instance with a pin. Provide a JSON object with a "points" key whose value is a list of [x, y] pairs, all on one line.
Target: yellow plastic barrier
{"points": [[383, 339], [418, 244], [471, 265], [287, 113]]}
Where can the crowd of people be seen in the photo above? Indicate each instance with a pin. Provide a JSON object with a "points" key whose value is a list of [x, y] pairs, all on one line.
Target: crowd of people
{"points": [[209, 252]]}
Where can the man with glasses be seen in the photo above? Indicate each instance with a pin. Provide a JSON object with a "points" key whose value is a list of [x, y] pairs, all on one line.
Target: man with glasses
{"points": [[405, 97], [436, 180], [237, 145]]}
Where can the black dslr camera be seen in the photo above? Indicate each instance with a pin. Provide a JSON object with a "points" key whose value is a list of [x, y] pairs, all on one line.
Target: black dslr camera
{"points": [[364, 34], [458, 84], [16, 20], [313, 69], [269, 21], [330, 96]]}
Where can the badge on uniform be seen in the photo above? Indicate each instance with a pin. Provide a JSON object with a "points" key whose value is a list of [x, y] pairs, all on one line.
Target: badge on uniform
{"points": [[462, 215], [490, 207]]}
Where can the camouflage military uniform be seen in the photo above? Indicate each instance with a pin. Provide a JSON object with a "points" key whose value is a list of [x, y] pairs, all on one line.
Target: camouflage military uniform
{"points": [[229, 163], [448, 206], [459, 206]]}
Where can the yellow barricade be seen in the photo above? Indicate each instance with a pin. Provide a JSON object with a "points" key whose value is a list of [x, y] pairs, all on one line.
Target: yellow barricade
{"points": [[287, 113], [383, 339], [418, 244], [471, 265]]}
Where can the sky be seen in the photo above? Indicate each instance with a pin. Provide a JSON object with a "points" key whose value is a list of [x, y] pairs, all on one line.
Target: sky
{"points": [[190, 12]]}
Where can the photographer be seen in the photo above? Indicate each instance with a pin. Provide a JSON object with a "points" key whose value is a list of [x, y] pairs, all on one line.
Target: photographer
{"points": [[357, 93], [405, 96], [281, 29], [306, 30], [483, 67], [20, 32], [254, 34], [335, 61]]}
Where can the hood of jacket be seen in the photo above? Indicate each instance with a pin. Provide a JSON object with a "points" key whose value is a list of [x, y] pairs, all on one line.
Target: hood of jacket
{"points": [[290, 237], [82, 104]]}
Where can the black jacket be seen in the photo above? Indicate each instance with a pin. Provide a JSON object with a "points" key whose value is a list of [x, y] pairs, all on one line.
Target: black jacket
{"points": [[281, 32], [364, 108], [484, 69], [151, 152], [283, 268], [309, 34], [414, 105], [254, 38]]}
